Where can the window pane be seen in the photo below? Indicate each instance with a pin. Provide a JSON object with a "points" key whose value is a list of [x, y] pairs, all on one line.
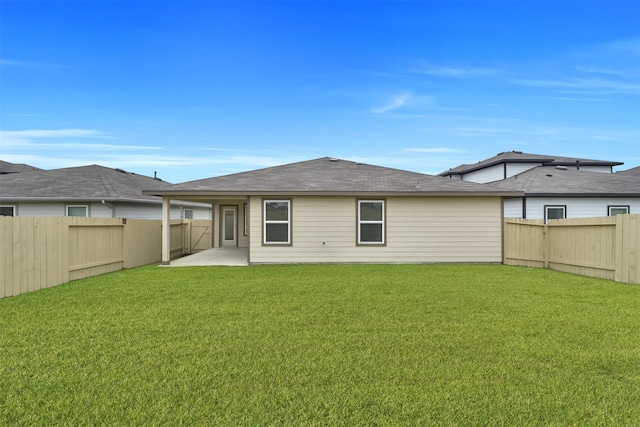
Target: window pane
{"points": [[188, 214], [619, 210], [370, 211], [277, 233], [6, 210], [555, 213], [371, 233], [77, 211], [277, 211], [229, 220]]}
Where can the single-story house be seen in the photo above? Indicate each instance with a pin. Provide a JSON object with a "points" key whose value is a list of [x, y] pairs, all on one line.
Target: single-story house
{"points": [[511, 163], [330, 210], [558, 192], [87, 191]]}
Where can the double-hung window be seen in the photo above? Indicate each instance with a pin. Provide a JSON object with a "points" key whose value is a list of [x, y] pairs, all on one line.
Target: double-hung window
{"points": [[554, 212], [277, 222], [371, 226], [617, 210]]}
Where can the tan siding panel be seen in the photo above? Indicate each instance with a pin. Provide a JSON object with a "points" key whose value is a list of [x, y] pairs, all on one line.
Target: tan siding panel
{"points": [[418, 229]]}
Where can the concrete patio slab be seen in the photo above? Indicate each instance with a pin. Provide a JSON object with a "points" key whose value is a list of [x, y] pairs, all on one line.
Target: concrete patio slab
{"points": [[213, 256]]}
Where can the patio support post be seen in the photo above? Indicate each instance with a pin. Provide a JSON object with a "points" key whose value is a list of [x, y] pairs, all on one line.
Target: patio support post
{"points": [[166, 231]]}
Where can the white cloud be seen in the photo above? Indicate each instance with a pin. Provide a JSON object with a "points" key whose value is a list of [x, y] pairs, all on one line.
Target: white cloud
{"points": [[579, 85], [456, 73], [395, 103], [39, 139]]}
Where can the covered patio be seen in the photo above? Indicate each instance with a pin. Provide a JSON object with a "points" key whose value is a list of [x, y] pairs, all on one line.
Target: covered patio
{"points": [[215, 256]]}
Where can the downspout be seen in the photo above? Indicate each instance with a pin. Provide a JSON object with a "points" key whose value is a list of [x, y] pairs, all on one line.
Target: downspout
{"points": [[524, 207]]}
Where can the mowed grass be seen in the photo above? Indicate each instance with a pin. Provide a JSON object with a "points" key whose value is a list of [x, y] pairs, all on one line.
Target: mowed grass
{"points": [[323, 345]]}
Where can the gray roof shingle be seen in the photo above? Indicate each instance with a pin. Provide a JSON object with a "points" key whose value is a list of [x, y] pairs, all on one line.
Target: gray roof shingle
{"points": [[78, 183], [520, 157], [325, 176], [7, 168], [553, 181]]}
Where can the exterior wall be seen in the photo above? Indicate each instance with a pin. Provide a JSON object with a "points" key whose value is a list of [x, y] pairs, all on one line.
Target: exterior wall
{"points": [[418, 230], [579, 207], [516, 168], [513, 208], [109, 210], [603, 169], [488, 174], [39, 209]]}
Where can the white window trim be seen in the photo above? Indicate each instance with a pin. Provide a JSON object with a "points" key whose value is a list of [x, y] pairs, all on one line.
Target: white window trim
{"points": [[86, 207], [546, 211], [360, 222], [13, 208], [265, 221], [610, 207]]}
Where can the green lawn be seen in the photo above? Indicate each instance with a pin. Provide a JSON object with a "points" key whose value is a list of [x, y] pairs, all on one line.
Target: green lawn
{"points": [[323, 345]]}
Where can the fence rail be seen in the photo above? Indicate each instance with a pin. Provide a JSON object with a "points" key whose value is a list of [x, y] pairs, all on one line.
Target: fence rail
{"points": [[606, 247], [37, 253]]}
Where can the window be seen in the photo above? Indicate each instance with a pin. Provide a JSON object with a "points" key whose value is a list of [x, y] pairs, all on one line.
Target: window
{"points": [[77, 211], [617, 210], [277, 222], [554, 212], [188, 214], [7, 211], [371, 222]]}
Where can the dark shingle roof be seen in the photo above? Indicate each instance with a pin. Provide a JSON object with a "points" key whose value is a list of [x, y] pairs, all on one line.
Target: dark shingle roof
{"points": [[630, 172], [78, 183], [325, 176], [520, 157], [7, 168], [552, 181]]}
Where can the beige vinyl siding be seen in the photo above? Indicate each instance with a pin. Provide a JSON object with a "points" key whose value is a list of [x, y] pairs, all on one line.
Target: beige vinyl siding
{"points": [[419, 229]]}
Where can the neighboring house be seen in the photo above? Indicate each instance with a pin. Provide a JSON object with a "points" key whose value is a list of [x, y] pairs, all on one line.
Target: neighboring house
{"points": [[89, 191], [331, 210], [511, 163], [630, 172], [7, 168], [559, 192]]}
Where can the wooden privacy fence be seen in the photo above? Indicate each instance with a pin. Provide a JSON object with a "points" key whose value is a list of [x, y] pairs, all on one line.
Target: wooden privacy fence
{"points": [[37, 253], [604, 247]]}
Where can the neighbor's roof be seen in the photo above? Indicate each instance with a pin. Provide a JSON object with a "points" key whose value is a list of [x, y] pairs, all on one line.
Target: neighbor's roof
{"points": [[520, 157], [630, 172], [84, 183], [326, 176], [552, 181], [7, 168]]}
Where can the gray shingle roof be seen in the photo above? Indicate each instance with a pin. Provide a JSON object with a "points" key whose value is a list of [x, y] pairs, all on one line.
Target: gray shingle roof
{"points": [[78, 183], [520, 157], [630, 172], [6, 168], [551, 181], [325, 176]]}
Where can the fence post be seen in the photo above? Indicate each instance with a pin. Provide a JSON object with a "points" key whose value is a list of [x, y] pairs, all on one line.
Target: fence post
{"points": [[545, 246]]}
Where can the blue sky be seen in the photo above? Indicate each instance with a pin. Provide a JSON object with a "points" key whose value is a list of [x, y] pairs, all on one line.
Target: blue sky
{"points": [[197, 89]]}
